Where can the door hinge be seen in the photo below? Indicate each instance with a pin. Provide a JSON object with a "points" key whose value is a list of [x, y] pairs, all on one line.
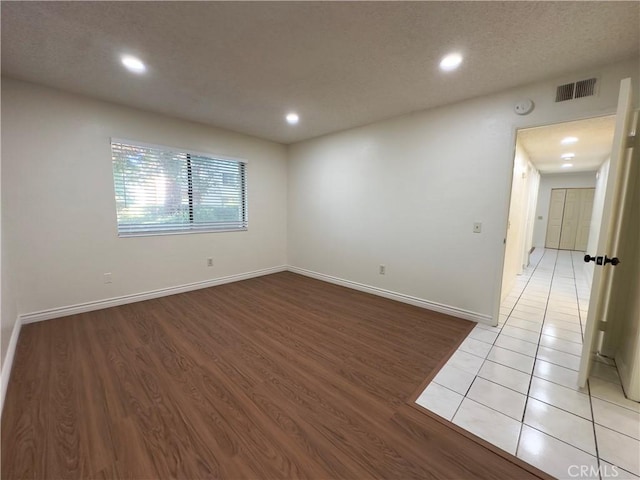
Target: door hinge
{"points": [[602, 326], [631, 140]]}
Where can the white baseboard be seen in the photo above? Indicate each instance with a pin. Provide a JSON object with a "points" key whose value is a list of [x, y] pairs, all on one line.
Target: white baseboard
{"points": [[7, 362], [163, 292], [400, 297], [139, 297]]}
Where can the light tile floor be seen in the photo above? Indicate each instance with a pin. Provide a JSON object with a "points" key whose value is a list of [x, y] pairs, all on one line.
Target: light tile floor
{"points": [[515, 385]]}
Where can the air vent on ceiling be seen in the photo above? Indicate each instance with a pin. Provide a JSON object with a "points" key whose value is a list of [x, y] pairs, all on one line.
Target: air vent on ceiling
{"points": [[565, 92], [579, 89], [586, 88]]}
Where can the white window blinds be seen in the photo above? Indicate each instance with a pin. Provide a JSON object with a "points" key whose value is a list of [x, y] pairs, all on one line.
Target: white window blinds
{"points": [[162, 190]]}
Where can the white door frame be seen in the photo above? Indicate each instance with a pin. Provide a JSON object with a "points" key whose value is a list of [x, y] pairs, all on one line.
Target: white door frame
{"points": [[508, 184]]}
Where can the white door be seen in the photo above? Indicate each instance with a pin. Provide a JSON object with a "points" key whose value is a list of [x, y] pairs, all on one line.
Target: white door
{"points": [[610, 228], [554, 225], [584, 220], [622, 338], [570, 219]]}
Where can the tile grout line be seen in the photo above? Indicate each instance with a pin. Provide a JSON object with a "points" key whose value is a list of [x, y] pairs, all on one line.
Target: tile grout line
{"points": [[490, 408], [614, 403], [494, 341], [526, 402], [546, 334], [593, 426], [523, 394], [541, 378], [516, 351], [593, 418], [618, 432], [562, 441], [554, 363], [499, 333], [560, 338], [527, 341]]}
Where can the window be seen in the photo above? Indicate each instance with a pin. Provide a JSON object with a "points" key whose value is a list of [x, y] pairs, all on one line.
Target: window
{"points": [[162, 190]]}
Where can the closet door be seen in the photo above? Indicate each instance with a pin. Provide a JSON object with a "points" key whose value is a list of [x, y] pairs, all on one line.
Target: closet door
{"points": [[584, 220], [554, 224], [570, 219]]}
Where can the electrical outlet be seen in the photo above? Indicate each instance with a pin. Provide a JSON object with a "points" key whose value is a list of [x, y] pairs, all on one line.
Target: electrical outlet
{"points": [[107, 278], [383, 269], [209, 262], [477, 227]]}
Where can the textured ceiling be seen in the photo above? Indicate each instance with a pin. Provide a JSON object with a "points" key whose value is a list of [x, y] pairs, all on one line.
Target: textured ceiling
{"points": [[243, 65], [593, 147]]}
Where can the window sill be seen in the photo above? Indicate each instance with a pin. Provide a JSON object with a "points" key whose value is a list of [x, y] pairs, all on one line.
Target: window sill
{"points": [[181, 232]]}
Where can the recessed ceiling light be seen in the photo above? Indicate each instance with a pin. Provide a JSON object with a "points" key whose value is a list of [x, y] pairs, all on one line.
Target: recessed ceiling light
{"points": [[292, 118], [450, 62], [133, 64], [567, 165], [569, 140], [567, 156]]}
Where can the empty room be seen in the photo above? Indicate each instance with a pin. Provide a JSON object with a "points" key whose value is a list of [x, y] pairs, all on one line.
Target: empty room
{"points": [[323, 240]]}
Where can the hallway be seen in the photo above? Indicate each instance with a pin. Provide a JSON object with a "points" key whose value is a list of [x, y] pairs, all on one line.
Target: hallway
{"points": [[515, 385]]}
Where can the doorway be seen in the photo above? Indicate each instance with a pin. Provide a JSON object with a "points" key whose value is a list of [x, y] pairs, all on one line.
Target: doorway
{"points": [[606, 322], [555, 185]]}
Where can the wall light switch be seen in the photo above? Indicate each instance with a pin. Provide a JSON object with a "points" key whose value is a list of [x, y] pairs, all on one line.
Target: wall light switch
{"points": [[107, 278], [477, 227]]}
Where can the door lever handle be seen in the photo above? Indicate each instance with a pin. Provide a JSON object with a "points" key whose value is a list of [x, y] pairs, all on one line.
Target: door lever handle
{"points": [[613, 261], [602, 261]]}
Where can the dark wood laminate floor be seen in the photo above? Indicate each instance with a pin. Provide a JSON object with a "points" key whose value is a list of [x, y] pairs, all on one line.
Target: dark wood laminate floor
{"points": [[276, 377]]}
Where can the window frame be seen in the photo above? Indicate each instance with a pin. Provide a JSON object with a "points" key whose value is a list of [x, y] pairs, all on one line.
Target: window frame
{"points": [[158, 231]]}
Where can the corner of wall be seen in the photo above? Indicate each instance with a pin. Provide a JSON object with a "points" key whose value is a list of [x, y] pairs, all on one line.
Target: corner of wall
{"points": [[7, 361], [398, 297], [287, 156]]}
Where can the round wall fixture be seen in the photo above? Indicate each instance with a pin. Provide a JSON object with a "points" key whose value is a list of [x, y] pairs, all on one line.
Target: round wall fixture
{"points": [[524, 107]]}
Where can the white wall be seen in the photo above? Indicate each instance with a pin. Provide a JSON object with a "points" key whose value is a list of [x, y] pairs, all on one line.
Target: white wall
{"points": [[405, 193], [59, 213], [523, 182], [547, 183]]}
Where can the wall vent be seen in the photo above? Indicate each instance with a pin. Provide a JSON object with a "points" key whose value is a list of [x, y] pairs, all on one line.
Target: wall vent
{"points": [[565, 92], [585, 88], [579, 89]]}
